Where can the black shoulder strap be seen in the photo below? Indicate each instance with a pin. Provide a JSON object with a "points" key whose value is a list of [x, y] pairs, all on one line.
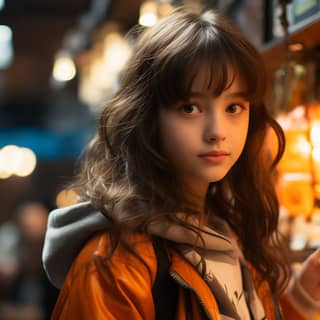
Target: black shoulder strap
{"points": [[164, 290]]}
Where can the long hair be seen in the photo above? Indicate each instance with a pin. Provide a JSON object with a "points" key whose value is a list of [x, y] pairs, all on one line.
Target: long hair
{"points": [[125, 173]]}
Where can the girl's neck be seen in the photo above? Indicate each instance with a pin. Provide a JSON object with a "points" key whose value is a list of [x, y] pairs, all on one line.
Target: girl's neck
{"points": [[195, 201], [194, 194]]}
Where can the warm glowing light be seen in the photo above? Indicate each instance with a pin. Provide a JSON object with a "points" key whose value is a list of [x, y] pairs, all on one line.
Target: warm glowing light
{"points": [[94, 83], [148, 13], [298, 112], [317, 190], [296, 157], [165, 9], [4, 173], [296, 119], [66, 198], [16, 161], [296, 193], [283, 120], [99, 77], [316, 165], [13, 157], [116, 52], [299, 169], [316, 155], [289, 177], [302, 146], [315, 133], [64, 68], [299, 231], [293, 47], [299, 69], [28, 163]]}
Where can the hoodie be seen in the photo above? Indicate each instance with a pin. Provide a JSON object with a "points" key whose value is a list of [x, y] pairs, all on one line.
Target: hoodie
{"points": [[67, 231]]}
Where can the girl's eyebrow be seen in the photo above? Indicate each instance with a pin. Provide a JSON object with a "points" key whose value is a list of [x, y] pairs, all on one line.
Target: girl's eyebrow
{"points": [[196, 94], [238, 94]]}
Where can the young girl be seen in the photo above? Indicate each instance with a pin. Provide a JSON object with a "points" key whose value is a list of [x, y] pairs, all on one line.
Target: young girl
{"points": [[178, 167]]}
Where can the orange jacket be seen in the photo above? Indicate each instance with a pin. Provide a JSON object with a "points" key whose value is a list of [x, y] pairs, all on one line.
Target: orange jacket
{"points": [[122, 288]]}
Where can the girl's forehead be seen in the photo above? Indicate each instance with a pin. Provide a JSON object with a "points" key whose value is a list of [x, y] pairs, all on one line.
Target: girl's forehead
{"points": [[205, 80]]}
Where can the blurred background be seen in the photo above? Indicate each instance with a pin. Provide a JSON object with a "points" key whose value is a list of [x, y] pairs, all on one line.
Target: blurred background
{"points": [[61, 60]]}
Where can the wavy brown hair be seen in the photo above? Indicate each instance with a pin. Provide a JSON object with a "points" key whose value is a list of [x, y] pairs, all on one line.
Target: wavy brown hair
{"points": [[125, 173]]}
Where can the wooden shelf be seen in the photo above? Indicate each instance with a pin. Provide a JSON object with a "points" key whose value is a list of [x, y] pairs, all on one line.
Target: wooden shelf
{"points": [[306, 32]]}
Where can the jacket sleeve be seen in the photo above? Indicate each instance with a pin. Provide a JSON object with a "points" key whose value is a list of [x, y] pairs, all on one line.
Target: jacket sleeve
{"points": [[297, 304], [290, 310], [115, 290]]}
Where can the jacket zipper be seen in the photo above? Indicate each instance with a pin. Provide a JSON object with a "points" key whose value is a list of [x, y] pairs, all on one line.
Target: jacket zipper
{"points": [[183, 284]]}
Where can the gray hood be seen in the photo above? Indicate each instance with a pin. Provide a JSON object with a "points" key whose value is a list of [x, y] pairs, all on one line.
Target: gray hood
{"points": [[67, 231]]}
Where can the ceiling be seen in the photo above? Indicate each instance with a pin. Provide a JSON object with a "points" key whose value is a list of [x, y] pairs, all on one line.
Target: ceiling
{"points": [[39, 30]]}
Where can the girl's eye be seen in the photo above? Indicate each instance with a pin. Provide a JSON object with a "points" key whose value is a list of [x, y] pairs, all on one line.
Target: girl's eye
{"points": [[190, 108], [235, 108]]}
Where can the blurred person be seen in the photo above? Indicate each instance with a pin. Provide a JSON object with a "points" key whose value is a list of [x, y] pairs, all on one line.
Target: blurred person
{"points": [[29, 295], [9, 257]]}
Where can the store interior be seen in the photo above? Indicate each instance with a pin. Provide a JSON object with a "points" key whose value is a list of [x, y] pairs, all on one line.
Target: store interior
{"points": [[61, 60]]}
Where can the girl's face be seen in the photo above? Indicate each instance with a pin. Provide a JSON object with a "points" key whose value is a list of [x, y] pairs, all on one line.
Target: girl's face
{"points": [[204, 136]]}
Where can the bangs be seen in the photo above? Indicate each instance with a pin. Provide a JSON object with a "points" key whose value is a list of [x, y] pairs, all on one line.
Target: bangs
{"points": [[175, 73]]}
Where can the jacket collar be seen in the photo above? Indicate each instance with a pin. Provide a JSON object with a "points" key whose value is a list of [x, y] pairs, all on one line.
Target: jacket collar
{"points": [[187, 276]]}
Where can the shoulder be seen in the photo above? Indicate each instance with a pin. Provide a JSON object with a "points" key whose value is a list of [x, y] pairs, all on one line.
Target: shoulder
{"points": [[134, 257], [98, 287]]}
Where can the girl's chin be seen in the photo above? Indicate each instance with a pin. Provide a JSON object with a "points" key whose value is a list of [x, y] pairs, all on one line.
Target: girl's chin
{"points": [[216, 178]]}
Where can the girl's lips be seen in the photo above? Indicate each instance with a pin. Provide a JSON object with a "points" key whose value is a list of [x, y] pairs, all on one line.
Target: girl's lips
{"points": [[214, 154], [215, 157]]}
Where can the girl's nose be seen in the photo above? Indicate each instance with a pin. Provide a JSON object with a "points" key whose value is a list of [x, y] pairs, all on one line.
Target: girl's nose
{"points": [[215, 130], [215, 138]]}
